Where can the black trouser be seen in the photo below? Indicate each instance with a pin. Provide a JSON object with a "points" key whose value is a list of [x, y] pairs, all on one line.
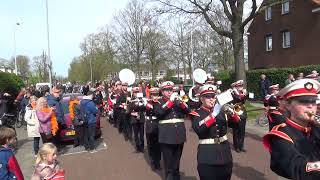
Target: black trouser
{"points": [[79, 139], [45, 139], [153, 149], [171, 154], [121, 121], [127, 127], [215, 172], [89, 134], [138, 131], [36, 142], [239, 131]]}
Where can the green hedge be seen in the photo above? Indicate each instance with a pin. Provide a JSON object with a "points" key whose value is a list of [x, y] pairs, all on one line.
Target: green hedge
{"points": [[277, 76], [10, 83]]}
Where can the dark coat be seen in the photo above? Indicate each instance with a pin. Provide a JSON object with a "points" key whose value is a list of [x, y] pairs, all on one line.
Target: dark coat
{"points": [[55, 102], [171, 133], [292, 151]]}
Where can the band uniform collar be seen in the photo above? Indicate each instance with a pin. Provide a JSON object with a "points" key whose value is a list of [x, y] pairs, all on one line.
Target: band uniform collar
{"points": [[206, 109], [299, 127]]}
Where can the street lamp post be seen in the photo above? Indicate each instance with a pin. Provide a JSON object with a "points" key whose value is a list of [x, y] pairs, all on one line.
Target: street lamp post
{"points": [[14, 49], [48, 41]]}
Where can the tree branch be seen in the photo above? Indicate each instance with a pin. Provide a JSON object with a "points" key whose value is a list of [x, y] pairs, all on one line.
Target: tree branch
{"points": [[226, 10], [253, 13]]}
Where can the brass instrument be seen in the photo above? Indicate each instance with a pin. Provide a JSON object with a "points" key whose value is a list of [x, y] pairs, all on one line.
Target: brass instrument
{"points": [[316, 117], [199, 76], [185, 98]]}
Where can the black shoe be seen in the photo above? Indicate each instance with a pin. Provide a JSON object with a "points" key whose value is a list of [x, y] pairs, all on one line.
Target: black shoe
{"points": [[75, 145], [243, 150], [238, 150], [157, 166]]}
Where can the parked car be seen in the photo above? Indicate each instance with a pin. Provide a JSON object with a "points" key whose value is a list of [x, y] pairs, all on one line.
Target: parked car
{"points": [[67, 132]]}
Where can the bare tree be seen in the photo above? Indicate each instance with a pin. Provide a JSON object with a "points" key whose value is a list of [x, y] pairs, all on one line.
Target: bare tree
{"points": [[133, 23], [155, 46], [40, 67], [22, 64], [233, 11]]}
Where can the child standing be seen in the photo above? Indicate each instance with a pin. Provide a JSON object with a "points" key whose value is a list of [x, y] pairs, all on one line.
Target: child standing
{"points": [[9, 167], [47, 166]]}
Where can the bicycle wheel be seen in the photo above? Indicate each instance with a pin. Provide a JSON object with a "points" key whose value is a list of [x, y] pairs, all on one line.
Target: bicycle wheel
{"points": [[19, 120], [263, 120]]}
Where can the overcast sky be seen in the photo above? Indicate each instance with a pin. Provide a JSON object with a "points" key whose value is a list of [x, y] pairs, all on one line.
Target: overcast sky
{"points": [[70, 21]]}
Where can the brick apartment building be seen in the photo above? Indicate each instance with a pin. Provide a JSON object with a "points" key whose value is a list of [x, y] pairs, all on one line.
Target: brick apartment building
{"points": [[285, 35]]}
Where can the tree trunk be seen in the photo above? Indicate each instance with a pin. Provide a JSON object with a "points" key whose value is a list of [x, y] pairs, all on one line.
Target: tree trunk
{"points": [[238, 49]]}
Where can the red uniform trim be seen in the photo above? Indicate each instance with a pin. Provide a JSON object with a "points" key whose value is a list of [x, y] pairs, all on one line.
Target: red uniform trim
{"points": [[210, 120], [235, 117], [298, 126], [275, 132], [183, 105], [301, 92], [149, 106], [276, 112], [193, 113]]}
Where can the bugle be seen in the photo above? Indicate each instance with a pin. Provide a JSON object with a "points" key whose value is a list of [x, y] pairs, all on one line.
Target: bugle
{"points": [[316, 117]]}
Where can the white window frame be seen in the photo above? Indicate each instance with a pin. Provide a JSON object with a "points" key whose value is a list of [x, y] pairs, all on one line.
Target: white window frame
{"points": [[286, 39], [285, 7], [146, 73], [268, 13], [161, 72], [268, 39]]}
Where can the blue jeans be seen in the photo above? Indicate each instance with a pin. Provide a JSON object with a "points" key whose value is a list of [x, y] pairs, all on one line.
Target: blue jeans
{"points": [[89, 134]]}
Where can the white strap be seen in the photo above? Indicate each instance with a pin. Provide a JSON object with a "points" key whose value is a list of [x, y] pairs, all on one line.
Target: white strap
{"points": [[213, 140], [171, 121], [151, 118]]}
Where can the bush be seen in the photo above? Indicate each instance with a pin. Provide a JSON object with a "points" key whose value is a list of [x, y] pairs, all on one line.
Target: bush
{"points": [[10, 83], [276, 76]]}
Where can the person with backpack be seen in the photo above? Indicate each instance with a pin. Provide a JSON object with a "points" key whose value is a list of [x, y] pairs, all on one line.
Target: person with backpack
{"points": [[88, 112], [75, 115]]}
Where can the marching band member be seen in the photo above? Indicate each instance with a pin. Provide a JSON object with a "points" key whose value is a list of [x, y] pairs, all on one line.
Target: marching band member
{"points": [[172, 131], [214, 153], [152, 130], [239, 95], [121, 105], [114, 98], [181, 91], [210, 79], [271, 102], [195, 93], [136, 113], [294, 149]]}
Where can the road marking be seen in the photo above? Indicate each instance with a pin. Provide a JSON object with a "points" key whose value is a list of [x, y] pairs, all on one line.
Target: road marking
{"points": [[83, 151]]}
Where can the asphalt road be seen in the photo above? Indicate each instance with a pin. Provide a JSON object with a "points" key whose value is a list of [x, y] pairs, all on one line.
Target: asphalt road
{"points": [[118, 161]]}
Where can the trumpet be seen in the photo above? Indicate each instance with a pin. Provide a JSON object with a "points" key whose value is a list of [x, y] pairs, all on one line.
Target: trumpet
{"points": [[316, 117]]}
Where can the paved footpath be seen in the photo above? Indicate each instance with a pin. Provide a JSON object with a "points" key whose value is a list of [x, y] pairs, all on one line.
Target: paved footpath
{"points": [[119, 161]]}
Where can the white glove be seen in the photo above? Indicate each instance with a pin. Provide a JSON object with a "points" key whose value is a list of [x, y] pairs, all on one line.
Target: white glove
{"points": [[216, 109], [174, 96], [145, 101], [140, 104]]}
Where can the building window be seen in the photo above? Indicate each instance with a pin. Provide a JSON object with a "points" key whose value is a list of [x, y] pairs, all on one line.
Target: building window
{"points": [[285, 8], [146, 73], [268, 13], [269, 42], [161, 72], [286, 40]]}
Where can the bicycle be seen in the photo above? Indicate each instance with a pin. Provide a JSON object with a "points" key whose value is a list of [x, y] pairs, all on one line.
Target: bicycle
{"points": [[20, 119], [8, 120], [262, 119]]}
